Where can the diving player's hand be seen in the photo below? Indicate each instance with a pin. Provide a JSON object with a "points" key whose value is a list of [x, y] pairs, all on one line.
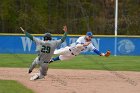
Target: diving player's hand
{"points": [[65, 28], [107, 54], [22, 30]]}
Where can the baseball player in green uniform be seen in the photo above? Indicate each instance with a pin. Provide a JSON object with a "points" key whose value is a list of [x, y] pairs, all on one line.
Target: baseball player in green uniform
{"points": [[45, 50]]}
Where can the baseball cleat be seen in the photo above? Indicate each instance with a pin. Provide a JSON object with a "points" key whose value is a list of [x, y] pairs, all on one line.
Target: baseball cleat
{"points": [[35, 77], [29, 71]]}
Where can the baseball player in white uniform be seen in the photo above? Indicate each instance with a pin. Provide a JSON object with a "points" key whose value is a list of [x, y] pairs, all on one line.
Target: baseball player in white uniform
{"points": [[83, 43], [45, 49]]}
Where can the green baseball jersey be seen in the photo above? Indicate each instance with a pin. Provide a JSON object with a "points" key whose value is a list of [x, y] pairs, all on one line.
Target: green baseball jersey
{"points": [[46, 49]]}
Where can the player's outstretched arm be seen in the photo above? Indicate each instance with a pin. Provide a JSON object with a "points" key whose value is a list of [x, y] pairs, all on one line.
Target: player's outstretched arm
{"points": [[82, 45], [26, 33], [107, 54], [86, 43], [98, 52], [36, 40], [65, 34]]}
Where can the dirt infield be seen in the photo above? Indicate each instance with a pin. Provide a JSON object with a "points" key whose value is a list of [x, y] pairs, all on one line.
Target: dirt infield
{"points": [[76, 81]]}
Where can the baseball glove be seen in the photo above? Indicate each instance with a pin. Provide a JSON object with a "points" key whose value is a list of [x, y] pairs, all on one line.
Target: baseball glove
{"points": [[107, 54]]}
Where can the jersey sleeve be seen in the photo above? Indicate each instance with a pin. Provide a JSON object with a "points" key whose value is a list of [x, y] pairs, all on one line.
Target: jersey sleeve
{"points": [[64, 37], [80, 40], [38, 41], [92, 47], [58, 42], [28, 35]]}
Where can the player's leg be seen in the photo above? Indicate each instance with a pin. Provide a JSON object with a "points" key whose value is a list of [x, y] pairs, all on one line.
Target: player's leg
{"points": [[43, 69], [42, 73], [61, 57], [64, 54], [54, 59], [33, 65], [66, 57], [62, 51]]}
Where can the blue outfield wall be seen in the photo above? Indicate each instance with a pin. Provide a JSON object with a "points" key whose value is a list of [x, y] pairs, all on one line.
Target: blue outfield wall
{"points": [[21, 44]]}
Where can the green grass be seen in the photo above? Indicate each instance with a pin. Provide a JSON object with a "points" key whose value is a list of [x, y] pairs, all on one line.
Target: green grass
{"points": [[119, 63], [16, 60], [10, 86]]}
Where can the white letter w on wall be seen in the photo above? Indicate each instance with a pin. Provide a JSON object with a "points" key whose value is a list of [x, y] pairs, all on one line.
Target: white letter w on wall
{"points": [[26, 42]]}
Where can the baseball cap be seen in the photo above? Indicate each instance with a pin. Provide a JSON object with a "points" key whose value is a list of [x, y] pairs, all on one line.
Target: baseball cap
{"points": [[47, 36], [89, 34]]}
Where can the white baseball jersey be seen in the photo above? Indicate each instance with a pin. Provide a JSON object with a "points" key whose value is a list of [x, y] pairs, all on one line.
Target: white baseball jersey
{"points": [[81, 40], [69, 52]]}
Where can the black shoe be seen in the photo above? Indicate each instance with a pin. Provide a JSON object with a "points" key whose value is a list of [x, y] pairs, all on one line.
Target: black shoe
{"points": [[51, 61], [29, 71]]}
